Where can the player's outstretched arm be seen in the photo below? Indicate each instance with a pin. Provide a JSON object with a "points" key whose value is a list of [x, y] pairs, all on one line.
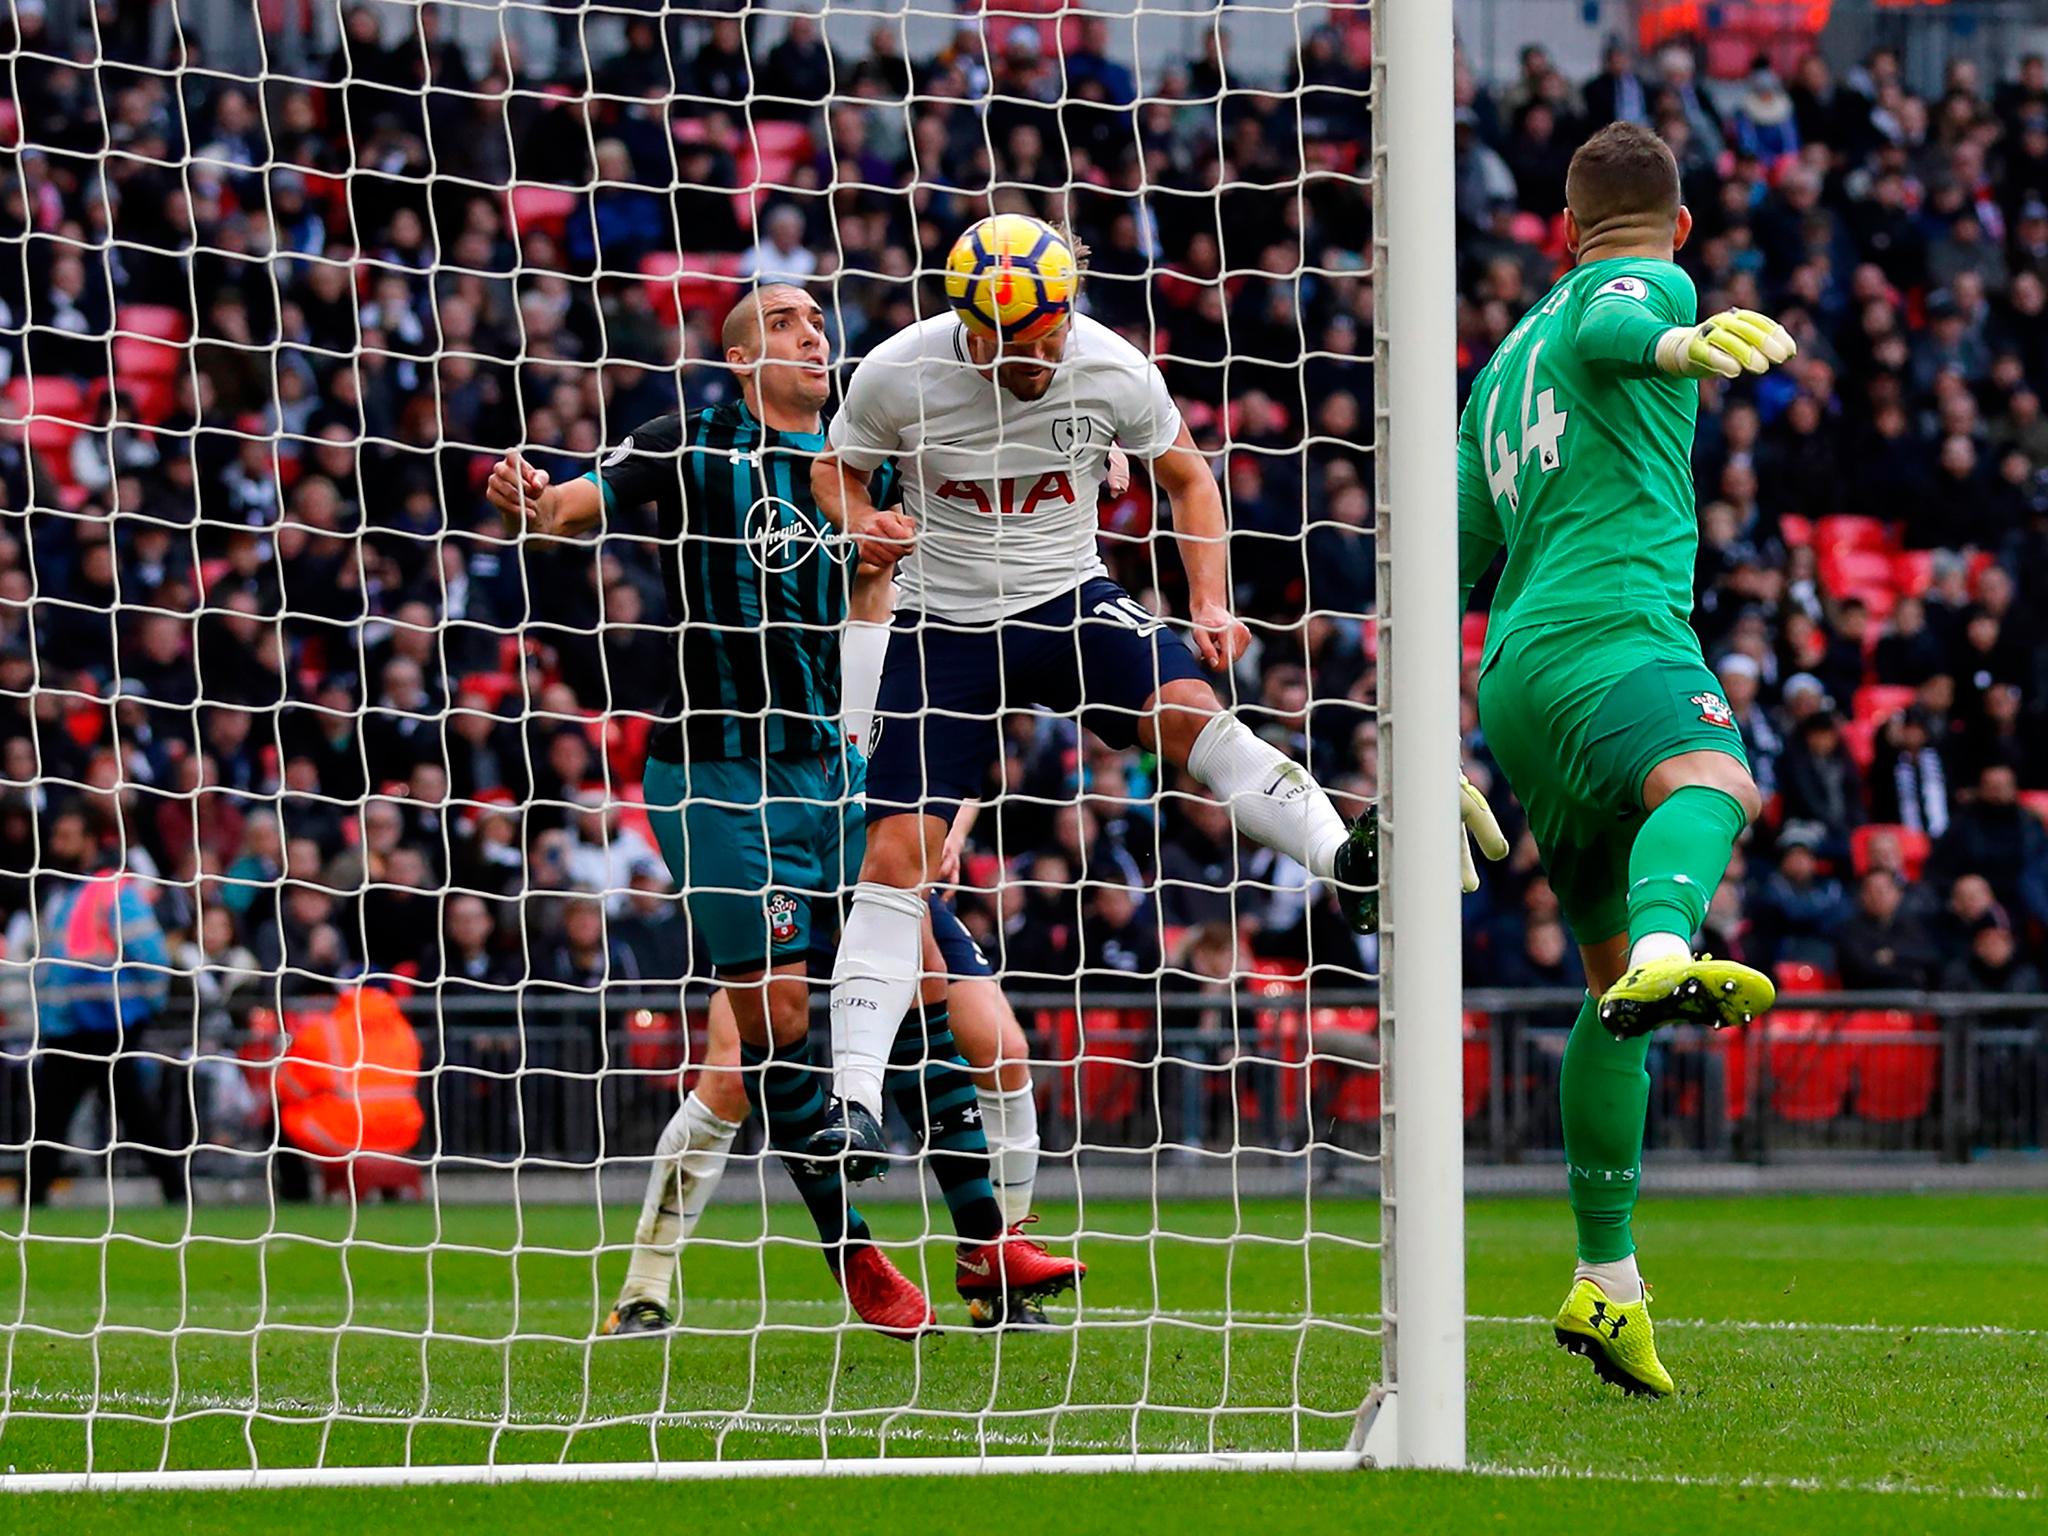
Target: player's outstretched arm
{"points": [[1730, 344], [842, 495], [525, 501], [1183, 474]]}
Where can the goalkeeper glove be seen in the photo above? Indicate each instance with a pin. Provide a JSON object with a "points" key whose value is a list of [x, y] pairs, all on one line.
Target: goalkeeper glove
{"points": [[1731, 343], [1477, 816]]}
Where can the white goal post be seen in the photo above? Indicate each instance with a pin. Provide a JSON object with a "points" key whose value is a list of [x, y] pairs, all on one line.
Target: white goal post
{"points": [[1240, 1158]]}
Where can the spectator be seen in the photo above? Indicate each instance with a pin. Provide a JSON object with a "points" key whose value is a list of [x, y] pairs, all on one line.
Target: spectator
{"points": [[1883, 945], [1993, 835], [1820, 784], [654, 927], [470, 956], [347, 1087], [100, 981], [1798, 905], [1909, 782], [587, 958], [1993, 966]]}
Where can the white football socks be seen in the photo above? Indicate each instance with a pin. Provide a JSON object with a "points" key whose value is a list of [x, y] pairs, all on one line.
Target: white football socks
{"points": [[1619, 1280], [1275, 800], [862, 647], [1009, 1119], [689, 1160], [1658, 946], [874, 982]]}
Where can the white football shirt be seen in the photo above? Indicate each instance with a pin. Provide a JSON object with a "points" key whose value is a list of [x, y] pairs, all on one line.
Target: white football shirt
{"points": [[1003, 490]]}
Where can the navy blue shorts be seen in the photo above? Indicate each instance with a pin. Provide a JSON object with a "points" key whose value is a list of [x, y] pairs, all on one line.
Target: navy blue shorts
{"points": [[963, 957], [946, 687]]}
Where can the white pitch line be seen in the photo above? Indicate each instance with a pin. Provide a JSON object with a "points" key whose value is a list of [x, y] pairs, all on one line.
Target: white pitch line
{"points": [[1760, 1481], [283, 1315], [192, 1404]]}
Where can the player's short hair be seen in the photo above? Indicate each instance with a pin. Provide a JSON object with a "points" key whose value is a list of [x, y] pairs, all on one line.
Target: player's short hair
{"points": [[742, 328], [1624, 174]]}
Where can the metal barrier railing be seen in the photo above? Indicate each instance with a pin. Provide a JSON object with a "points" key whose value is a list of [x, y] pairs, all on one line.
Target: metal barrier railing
{"points": [[557, 1077]]}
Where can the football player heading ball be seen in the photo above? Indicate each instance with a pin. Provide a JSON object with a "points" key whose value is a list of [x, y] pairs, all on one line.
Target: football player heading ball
{"points": [[1001, 419]]}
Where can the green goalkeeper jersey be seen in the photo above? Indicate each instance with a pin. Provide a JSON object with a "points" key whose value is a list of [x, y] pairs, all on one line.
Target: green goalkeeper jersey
{"points": [[1575, 452]]}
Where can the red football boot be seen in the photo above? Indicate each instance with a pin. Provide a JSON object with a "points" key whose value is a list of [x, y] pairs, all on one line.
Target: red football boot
{"points": [[882, 1296], [1013, 1270]]}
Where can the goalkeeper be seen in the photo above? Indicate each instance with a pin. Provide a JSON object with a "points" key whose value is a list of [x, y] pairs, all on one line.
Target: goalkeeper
{"points": [[1575, 455]]}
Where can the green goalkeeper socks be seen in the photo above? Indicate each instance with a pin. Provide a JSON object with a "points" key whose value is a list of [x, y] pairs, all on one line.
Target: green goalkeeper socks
{"points": [[1604, 1091], [1678, 859]]}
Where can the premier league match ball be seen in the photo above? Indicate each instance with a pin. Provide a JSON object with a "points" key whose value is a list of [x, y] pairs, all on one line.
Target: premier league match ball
{"points": [[1011, 276]]}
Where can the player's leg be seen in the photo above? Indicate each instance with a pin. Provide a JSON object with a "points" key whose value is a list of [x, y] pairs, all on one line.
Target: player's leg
{"points": [[1134, 679], [934, 736], [1604, 1101], [1680, 759], [992, 1043], [689, 1159], [730, 839]]}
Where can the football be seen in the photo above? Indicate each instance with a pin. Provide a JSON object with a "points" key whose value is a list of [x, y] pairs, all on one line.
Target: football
{"points": [[1011, 276]]}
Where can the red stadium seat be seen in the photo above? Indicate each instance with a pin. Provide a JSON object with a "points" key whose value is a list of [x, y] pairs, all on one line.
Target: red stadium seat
{"points": [[1472, 631], [1880, 600], [1860, 737], [1281, 1044], [1738, 1059], [1478, 1057], [1880, 701], [1845, 570], [1798, 976], [1913, 571], [1895, 1081], [542, 209], [139, 357], [1810, 1069], [1913, 846], [1347, 1090], [695, 284], [161, 321], [783, 140], [1858, 533]]}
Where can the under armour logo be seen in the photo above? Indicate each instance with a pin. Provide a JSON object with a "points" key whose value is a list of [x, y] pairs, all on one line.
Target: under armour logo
{"points": [[1612, 1324]]}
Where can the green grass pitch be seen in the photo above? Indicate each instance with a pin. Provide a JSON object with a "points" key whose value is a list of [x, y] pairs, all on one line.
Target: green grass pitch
{"points": [[1867, 1363]]}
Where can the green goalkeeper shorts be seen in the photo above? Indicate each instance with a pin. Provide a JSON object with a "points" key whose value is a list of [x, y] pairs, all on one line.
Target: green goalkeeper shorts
{"points": [[1577, 723]]}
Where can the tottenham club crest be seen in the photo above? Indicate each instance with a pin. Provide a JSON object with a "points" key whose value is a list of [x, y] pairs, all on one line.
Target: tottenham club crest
{"points": [[1714, 710], [1070, 434], [781, 916]]}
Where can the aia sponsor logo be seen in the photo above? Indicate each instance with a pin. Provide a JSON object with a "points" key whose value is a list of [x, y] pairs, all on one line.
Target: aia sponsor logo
{"points": [[1054, 490]]}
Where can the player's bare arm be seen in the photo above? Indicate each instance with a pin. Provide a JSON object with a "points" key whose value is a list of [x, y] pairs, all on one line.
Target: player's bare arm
{"points": [[1183, 475], [527, 502], [842, 495]]}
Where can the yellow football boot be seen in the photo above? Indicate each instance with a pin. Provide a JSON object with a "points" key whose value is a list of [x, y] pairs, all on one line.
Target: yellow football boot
{"points": [[1685, 990], [1616, 1336]]}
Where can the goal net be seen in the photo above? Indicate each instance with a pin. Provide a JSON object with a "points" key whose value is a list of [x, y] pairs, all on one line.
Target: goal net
{"points": [[346, 990]]}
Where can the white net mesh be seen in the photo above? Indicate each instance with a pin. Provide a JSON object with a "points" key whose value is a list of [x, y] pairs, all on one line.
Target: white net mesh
{"points": [[394, 993]]}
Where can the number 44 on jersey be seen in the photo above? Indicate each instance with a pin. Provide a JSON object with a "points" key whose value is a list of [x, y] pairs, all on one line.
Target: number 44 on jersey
{"points": [[1542, 433]]}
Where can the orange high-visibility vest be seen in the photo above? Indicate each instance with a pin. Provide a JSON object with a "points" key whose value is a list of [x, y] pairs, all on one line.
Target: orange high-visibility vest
{"points": [[350, 1079]]}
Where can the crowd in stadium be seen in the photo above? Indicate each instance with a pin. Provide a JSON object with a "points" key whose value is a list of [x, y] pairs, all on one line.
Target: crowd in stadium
{"points": [[343, 344]]}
